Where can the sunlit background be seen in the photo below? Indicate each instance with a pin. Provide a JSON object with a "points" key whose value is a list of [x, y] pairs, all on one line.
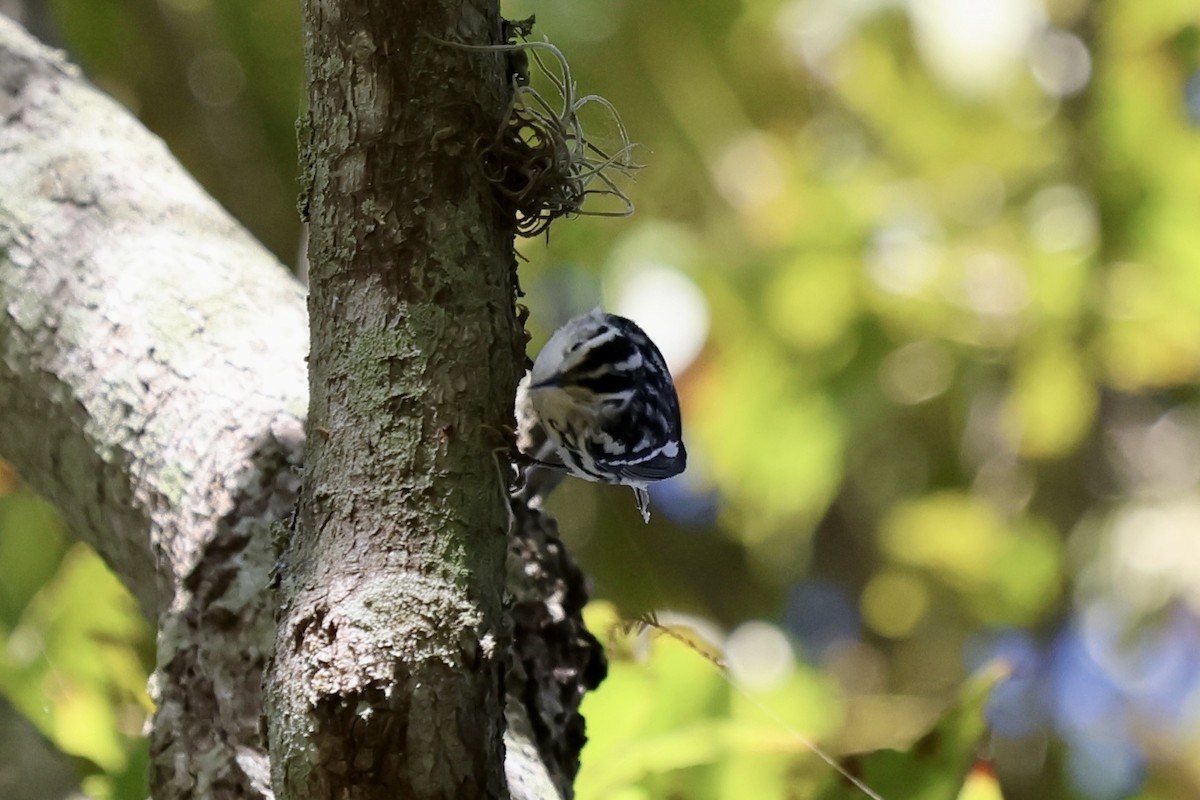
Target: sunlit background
{"points": [[928, 276]]}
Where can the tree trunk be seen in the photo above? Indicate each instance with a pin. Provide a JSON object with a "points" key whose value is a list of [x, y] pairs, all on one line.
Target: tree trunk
{"points": [[388, 673]]}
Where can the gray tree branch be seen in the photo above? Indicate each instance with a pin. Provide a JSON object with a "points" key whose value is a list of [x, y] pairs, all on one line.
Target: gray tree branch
{"points": [[152, 387]]}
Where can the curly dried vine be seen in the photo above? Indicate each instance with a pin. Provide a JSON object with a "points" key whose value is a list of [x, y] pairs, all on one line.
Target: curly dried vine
{"points": [[541, 162]]}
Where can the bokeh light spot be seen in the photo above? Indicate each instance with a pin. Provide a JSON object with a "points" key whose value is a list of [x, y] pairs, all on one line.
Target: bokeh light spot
{"points": [[916, 372], [750, 173], [812, 302], [1052, 402], [1063, 217], [893, 603], [1061, 63], [905, 255], [669, 307], [972, 46], [759, 655]]}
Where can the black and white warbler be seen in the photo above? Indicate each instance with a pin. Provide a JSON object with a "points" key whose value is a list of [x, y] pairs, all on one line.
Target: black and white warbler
{"points": [[601, 394]]}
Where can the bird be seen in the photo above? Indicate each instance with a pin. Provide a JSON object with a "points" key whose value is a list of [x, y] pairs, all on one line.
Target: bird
{"points": [[600, 404]]}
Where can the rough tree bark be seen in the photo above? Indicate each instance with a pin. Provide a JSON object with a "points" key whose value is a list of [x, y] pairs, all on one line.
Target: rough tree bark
{"points": [[388, 671], [152, 387]]}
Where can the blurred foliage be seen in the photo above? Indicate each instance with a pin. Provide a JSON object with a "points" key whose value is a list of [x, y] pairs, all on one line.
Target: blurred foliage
{"points": [[933, 766], [927, 272], [75, 652], [670, 723]]}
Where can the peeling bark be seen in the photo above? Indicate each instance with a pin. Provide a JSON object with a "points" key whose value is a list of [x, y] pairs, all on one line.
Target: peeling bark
{"points": [[554, 659]]}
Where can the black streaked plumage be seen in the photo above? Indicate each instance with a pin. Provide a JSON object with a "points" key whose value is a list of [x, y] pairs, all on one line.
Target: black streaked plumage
{"points": [[602, 392]]}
